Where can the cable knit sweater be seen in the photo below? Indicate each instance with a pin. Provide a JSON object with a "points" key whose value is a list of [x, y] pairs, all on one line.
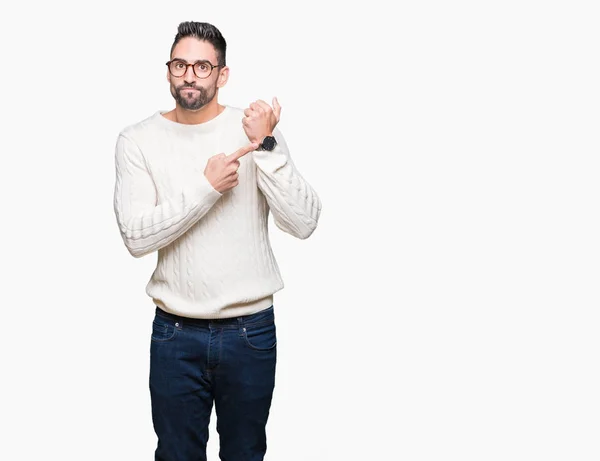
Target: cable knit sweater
{"points": [[214, 255]]}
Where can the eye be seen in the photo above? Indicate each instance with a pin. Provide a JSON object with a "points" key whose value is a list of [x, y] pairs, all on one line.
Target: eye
{"points": [[203, 66], [179, 65]]}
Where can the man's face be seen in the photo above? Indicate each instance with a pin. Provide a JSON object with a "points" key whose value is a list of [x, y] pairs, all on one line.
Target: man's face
{"points": [[191, 92]]}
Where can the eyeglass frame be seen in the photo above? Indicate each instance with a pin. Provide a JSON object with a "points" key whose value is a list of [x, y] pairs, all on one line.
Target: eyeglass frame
{"points": [[187, 65]]}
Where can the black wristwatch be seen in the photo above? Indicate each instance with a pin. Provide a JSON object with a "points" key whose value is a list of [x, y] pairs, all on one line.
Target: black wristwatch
{"points": [[268, 143]]}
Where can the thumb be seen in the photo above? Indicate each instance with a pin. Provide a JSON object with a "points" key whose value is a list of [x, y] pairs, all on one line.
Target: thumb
{"points": [[276, 108]]}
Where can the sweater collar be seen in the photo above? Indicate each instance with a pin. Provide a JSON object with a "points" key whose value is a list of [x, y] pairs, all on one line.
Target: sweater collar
{"points": [[205, 127]]}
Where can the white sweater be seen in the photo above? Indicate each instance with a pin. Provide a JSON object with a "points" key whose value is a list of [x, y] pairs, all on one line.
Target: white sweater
{"points": [[214, 255]]}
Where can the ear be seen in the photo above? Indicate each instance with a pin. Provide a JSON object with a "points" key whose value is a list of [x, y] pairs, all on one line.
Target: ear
{"points": [[223, 77]]}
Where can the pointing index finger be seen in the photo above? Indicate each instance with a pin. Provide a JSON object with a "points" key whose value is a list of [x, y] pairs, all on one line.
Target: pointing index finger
{"points": [[242, 151]]}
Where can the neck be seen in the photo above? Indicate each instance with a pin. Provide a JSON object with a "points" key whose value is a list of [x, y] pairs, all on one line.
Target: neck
{"points": [[195, 117]]}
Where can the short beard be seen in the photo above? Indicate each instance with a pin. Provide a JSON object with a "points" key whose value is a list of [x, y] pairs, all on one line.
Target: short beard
{"points": [[196, 102]]}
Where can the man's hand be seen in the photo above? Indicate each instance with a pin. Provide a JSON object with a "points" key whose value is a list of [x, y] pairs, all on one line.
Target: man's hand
{"points": [[221, 169], [260, 120]]}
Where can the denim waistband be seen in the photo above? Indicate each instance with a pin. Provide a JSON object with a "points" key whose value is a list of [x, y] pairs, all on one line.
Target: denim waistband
{"points": [[265, 315]]}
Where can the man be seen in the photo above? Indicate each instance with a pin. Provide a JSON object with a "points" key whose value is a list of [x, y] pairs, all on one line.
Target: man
{"points": [[197, 184]]}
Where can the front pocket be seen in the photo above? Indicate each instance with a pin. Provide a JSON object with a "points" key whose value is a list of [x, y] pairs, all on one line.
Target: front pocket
{"points": [[162, 330], [261, 337]]}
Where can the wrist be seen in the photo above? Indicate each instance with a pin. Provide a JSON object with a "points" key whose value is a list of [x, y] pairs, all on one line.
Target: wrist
{"points": [[267, 143]]}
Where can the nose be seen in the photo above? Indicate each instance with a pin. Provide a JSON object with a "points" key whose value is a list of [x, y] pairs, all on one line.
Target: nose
{"points": [[189, 76]]}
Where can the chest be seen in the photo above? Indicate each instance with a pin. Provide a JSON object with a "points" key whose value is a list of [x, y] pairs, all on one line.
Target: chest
{"points": [[176, 161]]}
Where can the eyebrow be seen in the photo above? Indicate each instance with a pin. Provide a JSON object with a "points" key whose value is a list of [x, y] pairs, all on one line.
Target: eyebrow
{"points": [[195, 62]]}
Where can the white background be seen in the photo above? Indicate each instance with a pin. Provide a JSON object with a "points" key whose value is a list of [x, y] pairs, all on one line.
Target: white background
{"points": [[446, 308]]}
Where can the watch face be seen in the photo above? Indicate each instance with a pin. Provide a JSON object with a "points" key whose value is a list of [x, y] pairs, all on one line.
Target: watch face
{"points": [[269, 143]]}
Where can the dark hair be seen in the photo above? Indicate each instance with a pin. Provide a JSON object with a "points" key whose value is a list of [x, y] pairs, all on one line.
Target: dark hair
{"points": [[202, 31]]}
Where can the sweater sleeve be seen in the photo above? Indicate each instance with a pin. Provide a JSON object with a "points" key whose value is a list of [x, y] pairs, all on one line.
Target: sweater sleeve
{"points": [[293, 202], [146, 225]]}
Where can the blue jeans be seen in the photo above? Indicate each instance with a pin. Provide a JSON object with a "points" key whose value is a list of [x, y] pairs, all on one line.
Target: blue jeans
{"points": [[194, 362]]}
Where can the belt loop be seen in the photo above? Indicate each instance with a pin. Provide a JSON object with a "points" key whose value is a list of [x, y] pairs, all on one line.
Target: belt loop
{"points": [[241, 328]]}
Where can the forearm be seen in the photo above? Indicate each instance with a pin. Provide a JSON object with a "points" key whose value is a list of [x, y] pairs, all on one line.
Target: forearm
{"points": [[294, 203], [148, 229]]}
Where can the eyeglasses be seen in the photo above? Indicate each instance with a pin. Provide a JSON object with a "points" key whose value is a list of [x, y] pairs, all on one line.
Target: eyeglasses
{"points": [[202, 69]]}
